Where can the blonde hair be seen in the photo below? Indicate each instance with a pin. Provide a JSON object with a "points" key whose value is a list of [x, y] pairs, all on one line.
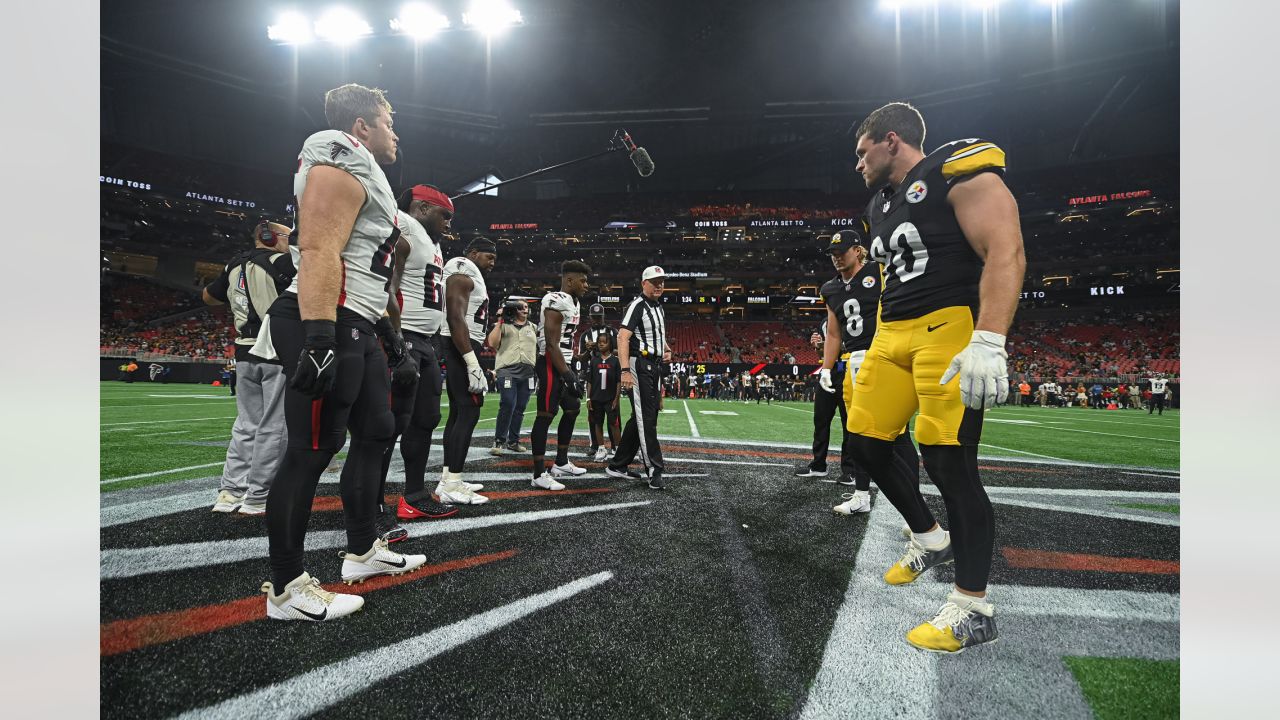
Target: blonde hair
{"points": [[861, 252], [344, 105]]}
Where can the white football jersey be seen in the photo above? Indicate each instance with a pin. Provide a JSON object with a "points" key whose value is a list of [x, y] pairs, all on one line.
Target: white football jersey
{"points": [[571, 312], [421, 289], [1158, 385], [477, 303], [370, 252]]}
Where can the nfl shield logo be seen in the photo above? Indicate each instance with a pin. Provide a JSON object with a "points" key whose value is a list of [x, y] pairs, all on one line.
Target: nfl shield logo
{"points": [[355, 334], [886, 206]]}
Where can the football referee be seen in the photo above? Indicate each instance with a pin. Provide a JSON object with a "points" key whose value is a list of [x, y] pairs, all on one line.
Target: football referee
{"points": [[642, 347]]}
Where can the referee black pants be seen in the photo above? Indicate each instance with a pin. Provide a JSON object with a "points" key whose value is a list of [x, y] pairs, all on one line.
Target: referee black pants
{"points": [[640, 436]]}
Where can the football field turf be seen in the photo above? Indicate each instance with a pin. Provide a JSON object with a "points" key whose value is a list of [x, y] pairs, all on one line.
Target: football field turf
{"points": [[735, 593]]}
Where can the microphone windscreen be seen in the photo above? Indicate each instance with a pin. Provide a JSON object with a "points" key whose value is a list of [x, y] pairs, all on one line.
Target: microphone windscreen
{"points": [[640, 158]]}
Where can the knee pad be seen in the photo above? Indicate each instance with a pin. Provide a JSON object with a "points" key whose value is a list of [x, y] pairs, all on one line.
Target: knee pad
{"points": [[859, 421], [379, 428], [571, 405], [932, 431]]}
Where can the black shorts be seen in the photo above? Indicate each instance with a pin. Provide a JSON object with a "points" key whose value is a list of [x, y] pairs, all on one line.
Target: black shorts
{"points": [[455, 373], [551, 390], [360, 397]]}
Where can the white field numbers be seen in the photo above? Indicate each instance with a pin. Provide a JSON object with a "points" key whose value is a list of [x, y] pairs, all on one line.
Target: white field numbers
{"points": [[905, 237], [853, 317]]}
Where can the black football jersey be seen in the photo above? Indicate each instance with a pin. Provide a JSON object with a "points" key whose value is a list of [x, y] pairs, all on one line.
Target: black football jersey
{"points": [[854, 304], [604, 378], [929, 264]]}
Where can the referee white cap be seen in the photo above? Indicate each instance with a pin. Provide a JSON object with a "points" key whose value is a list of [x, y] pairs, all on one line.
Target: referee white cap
{"points": [[652, 272]]}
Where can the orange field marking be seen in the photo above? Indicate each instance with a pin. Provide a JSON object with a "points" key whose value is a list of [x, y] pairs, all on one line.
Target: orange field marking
{"points": [[123, 636], [1048, 560]]}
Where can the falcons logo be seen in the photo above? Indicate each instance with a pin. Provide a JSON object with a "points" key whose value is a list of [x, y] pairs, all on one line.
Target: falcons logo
{"points": [[337, 150]]}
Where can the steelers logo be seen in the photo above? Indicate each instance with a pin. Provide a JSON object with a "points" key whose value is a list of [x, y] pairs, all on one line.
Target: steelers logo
{"points": [[917, 191], [868, 282]]}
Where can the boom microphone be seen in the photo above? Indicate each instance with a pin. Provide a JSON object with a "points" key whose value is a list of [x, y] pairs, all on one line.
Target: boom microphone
{"points": [[640, 158]]}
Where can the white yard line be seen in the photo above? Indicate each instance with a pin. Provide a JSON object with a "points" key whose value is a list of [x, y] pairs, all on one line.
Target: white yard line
{"points": [[108, 481], [132, 562], [158, 422], [693, 426], [1162, 519], [870, 671], [169, 432], [752, 463], [1024, 452], [311, 693], [147, 406]]}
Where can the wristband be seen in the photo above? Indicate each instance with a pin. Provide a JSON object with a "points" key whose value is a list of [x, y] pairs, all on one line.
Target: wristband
{"points": [[625, 370], [320, 330], [470, 360]]}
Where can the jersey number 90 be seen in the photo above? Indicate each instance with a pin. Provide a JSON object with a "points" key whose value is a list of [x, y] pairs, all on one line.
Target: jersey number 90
{"points": [[905, 238]]}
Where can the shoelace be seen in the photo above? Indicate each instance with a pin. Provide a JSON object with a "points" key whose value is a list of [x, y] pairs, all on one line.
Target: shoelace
{"points": [[314, 589], [847, 496], [950, 615], [915, 556]]}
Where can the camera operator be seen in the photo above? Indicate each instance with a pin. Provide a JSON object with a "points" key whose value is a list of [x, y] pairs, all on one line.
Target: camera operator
{"points": [[516, 341]]}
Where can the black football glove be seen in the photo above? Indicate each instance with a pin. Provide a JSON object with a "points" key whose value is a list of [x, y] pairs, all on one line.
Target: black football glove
{"points": [[392, 342], [570, 380], [318, 364], [404, 376]]}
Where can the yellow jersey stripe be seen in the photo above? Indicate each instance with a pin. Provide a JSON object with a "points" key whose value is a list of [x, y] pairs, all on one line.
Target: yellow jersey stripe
{"points": [[972, 149], [990, 156]]}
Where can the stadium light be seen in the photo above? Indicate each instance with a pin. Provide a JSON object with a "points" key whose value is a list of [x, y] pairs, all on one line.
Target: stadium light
{"points": [[290, 27], [342, 26], [491, 17], [419, 21]]}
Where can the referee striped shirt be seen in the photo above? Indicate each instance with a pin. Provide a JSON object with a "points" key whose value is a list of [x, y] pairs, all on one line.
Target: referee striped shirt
{"points": [[648, 326]]}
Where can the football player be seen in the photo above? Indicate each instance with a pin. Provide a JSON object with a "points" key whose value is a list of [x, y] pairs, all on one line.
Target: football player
{"points": [[558, 386], [852, 299], [946, 229], [324, 330], [425, 217], [466, 310]]}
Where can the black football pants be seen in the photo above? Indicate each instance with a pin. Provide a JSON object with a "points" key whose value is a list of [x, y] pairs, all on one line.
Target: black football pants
{"points": [[464, 406], [417, 414], [317, 429]]}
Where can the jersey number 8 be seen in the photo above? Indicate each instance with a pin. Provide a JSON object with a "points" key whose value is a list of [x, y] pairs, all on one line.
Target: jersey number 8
{"points": [[904, 237], [852, 317]]}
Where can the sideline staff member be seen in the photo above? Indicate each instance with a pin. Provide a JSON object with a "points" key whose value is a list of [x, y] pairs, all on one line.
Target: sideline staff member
{"points": [[516, 342], [642, 344]]}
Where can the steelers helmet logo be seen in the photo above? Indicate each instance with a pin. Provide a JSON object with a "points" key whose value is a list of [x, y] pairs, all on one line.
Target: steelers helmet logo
{"points": [[917, 191], [868, 282]]}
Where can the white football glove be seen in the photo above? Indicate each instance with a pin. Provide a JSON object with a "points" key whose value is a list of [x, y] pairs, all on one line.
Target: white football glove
{"points": [[854, 363], [476, 384], [983, 368], [824, 380]]}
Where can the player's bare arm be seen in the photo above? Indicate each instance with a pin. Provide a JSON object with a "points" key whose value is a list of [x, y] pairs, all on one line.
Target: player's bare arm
{"points": [[326, 214], [552, 324], [988, 216], [831, 347], [397, 274], [456, 292], [624, 357]]}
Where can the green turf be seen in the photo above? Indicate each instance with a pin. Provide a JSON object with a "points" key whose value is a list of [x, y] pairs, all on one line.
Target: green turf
{"points": [[1173, 509], [148, 428], [1127, 688]]}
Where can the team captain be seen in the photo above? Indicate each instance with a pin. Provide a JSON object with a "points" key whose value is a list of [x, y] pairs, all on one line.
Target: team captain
{"points": [[946, 229]]}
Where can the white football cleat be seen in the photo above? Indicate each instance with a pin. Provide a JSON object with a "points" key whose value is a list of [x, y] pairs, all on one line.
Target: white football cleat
{"points": [[458, 493], [380, 560], [568, 469], [601, 455], [855, 502], [304, 599], [546, 482]]}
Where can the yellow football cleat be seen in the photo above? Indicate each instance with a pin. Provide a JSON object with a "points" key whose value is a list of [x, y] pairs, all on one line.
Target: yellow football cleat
{"points": [[962, 622], [917, 559]]}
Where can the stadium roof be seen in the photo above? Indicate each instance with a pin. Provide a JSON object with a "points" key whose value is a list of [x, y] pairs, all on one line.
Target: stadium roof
{"points": [[724, 94]]}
